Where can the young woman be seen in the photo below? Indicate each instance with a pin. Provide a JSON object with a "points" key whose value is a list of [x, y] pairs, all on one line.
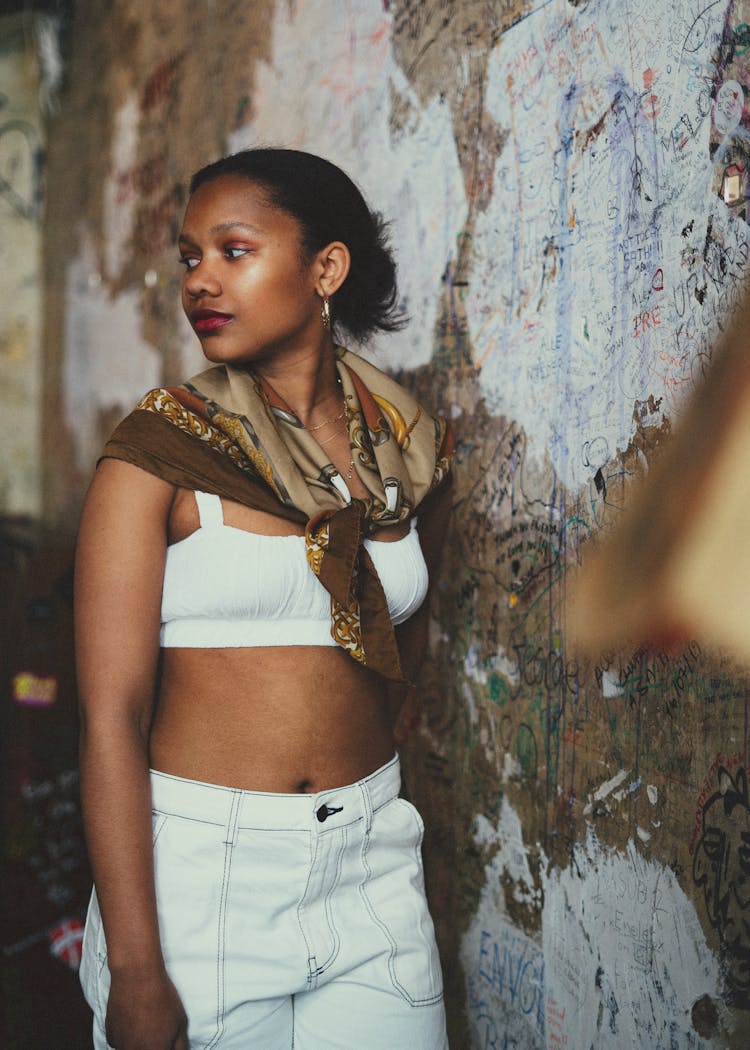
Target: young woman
{"points": [[247, 546]]}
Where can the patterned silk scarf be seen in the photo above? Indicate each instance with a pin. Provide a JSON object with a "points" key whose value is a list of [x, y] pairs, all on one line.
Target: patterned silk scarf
{"points": [[227, 431]]}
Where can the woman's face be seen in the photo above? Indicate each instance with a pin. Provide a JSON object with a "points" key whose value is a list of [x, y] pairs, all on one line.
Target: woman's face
{"points": [[248, 291]]}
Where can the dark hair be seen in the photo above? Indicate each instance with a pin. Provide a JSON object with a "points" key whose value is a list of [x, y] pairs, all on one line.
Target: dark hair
{"points": [[328, 207]]}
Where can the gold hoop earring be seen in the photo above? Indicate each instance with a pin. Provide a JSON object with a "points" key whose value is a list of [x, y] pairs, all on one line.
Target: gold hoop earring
{"points": [[325, 313]]}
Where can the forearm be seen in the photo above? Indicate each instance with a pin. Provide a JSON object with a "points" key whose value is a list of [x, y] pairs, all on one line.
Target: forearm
{"points": [[116, 800], [119, 573]]}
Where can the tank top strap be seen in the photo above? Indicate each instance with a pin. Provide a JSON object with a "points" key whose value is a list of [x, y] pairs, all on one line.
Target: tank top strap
{"points": [[210, 511]]}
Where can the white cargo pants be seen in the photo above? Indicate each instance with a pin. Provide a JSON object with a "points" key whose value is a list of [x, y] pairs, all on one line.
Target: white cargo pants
{"points": [[290, 921]]}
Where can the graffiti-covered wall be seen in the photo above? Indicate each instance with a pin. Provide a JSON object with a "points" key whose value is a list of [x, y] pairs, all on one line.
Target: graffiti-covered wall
{"points": [[568, 189]]}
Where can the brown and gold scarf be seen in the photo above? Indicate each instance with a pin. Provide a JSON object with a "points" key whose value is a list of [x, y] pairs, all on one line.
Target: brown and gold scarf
{"points": [[227, 431]]}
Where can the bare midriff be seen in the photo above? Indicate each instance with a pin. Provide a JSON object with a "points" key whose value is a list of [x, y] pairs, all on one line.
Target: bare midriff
{"points": [[280, 718], [286, 718]]}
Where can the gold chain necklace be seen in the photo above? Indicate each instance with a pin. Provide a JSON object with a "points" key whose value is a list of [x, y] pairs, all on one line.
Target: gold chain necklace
{"points": [[334, 419], [327, 422], [350, 471]]}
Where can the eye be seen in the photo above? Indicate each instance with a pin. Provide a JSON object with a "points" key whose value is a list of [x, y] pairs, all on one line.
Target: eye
{"points": [[235, 253], [189, 261]]}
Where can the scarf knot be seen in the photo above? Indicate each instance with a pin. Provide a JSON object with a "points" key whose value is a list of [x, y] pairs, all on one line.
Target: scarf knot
{"points": [[226, 431]]}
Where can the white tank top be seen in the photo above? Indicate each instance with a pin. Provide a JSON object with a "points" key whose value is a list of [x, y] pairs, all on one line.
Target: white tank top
{"points": [[225, 587]]}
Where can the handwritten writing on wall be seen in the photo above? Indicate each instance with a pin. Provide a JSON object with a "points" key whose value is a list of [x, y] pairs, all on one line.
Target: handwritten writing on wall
{"points": [[568, 190], [601, 269], [621, 953], [625, 197], [721, 867]]}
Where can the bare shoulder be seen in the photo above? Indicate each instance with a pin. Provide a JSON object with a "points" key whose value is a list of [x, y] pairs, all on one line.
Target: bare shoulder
{"points": [[120, 561], [118, 486], [123, 531]]}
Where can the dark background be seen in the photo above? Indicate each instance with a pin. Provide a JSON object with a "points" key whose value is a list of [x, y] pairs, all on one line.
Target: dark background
{"points": [[45, 877]]}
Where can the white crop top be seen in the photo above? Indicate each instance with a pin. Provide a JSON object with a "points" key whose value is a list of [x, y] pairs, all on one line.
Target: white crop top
{"points": [[225, 587]]}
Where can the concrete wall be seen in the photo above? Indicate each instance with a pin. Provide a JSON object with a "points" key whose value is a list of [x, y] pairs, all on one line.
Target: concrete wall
{"points": [[571, 234]]}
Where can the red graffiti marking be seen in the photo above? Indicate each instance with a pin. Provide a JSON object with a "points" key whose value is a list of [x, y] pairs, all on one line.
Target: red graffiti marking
{"points": [[645, 320], [556, 1034], [650, 105], [650, 101], [657, 281], [159, 84], [143, 179]]}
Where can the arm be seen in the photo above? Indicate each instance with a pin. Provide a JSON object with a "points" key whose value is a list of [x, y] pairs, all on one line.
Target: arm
{"points": [[119, 575], [434, 515]]}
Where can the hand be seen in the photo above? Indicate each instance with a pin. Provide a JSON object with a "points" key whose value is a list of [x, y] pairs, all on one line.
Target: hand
{"points": [[144, 1012]]}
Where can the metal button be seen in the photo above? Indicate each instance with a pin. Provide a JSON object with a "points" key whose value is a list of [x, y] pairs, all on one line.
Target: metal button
{"points": [[327, 811]]}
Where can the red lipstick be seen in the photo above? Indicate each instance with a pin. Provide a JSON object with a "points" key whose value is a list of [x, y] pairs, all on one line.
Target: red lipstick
{"points": [[209, 320]]}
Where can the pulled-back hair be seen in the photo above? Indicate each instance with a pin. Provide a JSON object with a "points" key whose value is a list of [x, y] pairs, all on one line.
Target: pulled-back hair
{"points": [[328, 207]]}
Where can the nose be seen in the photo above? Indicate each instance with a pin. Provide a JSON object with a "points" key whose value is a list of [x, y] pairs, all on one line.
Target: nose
{"points": [[200, 281]]}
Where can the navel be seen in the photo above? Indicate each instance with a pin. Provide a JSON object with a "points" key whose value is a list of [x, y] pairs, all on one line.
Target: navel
{"points": [[304, 786]]}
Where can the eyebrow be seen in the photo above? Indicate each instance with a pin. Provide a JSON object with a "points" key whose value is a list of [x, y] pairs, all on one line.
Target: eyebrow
{"points": [[224, 227]]}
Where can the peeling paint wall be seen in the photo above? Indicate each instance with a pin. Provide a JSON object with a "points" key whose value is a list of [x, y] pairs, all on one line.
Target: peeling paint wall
{"points": [[21, 147], [568, 188]]}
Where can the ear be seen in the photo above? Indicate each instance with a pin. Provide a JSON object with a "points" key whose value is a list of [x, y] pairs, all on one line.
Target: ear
{"points": [[333, 263]]}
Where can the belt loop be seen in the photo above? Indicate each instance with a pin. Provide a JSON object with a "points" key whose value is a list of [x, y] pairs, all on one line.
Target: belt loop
{"points": [[366, 804], [232, 827]]}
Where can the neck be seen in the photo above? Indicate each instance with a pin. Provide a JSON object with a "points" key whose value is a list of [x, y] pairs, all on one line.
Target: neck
{"points": [[306, 382]]}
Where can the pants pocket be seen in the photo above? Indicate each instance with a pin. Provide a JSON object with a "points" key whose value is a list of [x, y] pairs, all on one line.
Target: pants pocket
{"points": [[192, 866], [94, 973], [158, 820], [394, 895]]}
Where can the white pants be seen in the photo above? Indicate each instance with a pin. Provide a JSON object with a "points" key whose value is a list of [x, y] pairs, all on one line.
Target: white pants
{"points": [[290, 920]]}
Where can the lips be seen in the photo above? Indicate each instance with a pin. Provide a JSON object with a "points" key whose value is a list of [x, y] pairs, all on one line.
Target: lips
{"points": [[209, 320]]}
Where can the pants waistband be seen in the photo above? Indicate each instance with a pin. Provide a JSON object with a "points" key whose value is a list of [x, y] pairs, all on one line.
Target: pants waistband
{"points": [[264, 810]]}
